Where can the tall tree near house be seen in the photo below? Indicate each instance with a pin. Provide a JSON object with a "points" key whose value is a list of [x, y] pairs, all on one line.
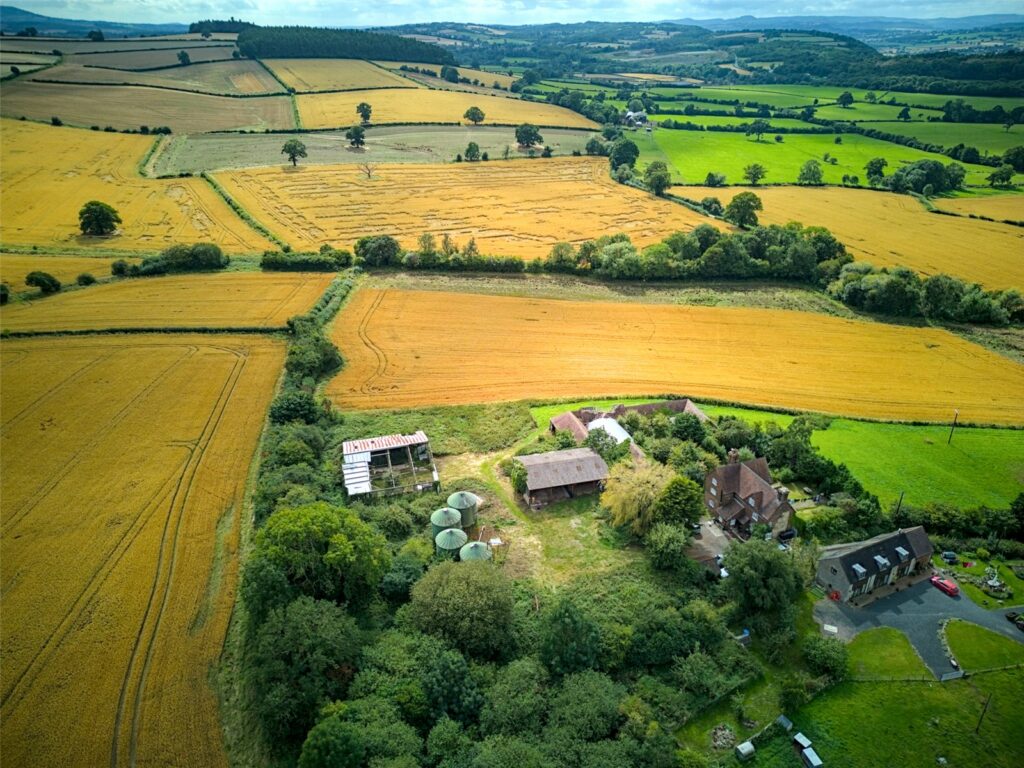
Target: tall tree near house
{"points": [[294, 149], [364, 110], [475, 115]]}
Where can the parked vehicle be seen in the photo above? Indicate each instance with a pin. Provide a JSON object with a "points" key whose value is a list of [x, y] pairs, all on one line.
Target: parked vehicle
{"points": [[1011, 616], [946, 585], [949, 557], [786, 535]]}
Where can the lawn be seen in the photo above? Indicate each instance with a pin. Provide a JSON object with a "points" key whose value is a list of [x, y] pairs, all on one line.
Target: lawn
{"points": [[980, 466], [694, 154], [979, 648], [884, 652], [977, 570]]}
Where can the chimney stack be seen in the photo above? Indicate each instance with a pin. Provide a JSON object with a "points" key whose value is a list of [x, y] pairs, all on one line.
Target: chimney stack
{"points": [[734, 456], [783, 493]]}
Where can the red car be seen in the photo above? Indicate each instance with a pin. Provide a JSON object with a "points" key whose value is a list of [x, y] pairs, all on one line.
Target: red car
{"points": [[947, 586]]}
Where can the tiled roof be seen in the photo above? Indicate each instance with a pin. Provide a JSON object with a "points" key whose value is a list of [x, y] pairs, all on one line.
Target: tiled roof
{"points": [[559, 468]]}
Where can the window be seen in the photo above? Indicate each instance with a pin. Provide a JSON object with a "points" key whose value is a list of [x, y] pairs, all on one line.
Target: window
{"points": [[750, 501], [714, 491], [711, 503], [714, 481]]}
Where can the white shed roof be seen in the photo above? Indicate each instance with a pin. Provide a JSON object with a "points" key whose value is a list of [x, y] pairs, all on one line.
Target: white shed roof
{"points": [[612, 427]]}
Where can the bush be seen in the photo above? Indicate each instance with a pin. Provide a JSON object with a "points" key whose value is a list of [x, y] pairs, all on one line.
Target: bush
{"points": [[5, 293], [120, 268], [326, 260], [201, 257], [294, 406], [826, 656], [379, 251], [666, 546], [85, 279], [44, 281]]}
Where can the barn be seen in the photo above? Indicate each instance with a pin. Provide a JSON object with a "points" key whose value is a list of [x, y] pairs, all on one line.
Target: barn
{"points": [[559, 475]]}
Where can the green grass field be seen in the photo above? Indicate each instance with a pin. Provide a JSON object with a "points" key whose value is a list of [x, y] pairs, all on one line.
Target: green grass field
{"points": [[979, 648], [778, 122], [986, 137], [694, 154], [862, 110], [981, 466], [937, 100], [884, 652]]}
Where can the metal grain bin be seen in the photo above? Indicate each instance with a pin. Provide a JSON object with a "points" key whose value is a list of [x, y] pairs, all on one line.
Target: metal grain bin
{"points": [[466, 503], [475, 550], [443, 519], [448, 542]]}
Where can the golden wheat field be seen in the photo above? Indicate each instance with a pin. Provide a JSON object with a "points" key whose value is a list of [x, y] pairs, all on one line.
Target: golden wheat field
{"points": [[335, 75], [887, 230], [1000, 207], [412, 348], [333, 110], [15, 266], [219, 300], [485, 77], [124, 466], [514, 208], [49, 173]]}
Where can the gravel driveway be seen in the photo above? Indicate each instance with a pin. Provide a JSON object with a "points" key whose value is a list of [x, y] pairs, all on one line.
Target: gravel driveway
{"points": [[916, 612]]}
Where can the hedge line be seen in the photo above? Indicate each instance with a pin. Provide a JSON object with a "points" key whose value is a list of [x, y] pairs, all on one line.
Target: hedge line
{"points": [[242, 213]]}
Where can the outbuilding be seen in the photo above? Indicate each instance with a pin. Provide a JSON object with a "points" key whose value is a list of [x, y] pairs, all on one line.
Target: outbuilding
{"points": [[810, 758], [744, 751], [558, 475]]}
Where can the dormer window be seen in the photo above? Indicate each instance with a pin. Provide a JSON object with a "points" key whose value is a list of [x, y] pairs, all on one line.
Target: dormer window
{"points": [[902, 554], [714, 481], [882, 562], [859, 571], [750, 501]]}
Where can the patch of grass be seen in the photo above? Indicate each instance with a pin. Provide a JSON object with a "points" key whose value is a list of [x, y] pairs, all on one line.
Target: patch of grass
{"points": [[978, 569], [979, 648], [884, 652], [451, 429]]}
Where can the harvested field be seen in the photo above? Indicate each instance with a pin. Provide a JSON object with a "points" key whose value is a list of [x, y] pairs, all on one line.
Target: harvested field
{"points": [[485, 77], [47, 44], [130, 107], [219, 300], [384, 144], [14, 57], [648, 76], [221, 77], [999, 207], [15, 266], [515, 208], [306, 75], [494, 348], [333, 110], [889, 230], [147, 59], [49, 173], [124, 463]]}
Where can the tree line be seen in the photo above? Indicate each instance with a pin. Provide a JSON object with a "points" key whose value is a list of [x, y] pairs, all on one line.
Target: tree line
{"points": [[320, 43]]}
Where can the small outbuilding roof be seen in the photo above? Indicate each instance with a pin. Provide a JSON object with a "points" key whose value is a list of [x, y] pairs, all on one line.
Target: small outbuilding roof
{"points": [[612, 427], [802, 741], [559, 468], [569, 422], [384, 442], [811, 759]]}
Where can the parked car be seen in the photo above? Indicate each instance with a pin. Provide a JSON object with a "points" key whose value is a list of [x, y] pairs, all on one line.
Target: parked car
{"points": [[786, 535], [1019, 623], [1011, 616], [949, 557], [946, 585]]}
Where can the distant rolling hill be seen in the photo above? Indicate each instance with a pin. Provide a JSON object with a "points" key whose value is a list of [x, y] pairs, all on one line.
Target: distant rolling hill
{"points": [[14, 20], [856, 25]]}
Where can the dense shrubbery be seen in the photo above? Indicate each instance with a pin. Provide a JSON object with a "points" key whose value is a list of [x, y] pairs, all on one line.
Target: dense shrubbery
{"points": [[201, 257], [320, 43], [44, 281], [327, 259], [901, 292]]}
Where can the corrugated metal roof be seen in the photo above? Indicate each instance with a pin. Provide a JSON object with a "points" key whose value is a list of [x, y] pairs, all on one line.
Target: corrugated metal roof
{"points": [[384, 442], [557, 468], [612, 427]]}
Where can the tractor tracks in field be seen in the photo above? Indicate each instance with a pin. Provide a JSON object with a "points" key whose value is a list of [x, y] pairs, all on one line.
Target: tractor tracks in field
{"points": [[367, 387]]}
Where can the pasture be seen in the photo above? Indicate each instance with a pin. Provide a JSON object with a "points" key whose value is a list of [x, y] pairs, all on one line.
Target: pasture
{"points": [[124, 462], [486, 78], [130, 106], [862, 111], [695, 154], [220, 77], [987, 137], [889, 230], [559, 349], [49, 173], [311, 75], [15, 266], [514, 208], [218, 300], [333, 110], [776, 122], [384, 144], [979, 466], [149, 59]]}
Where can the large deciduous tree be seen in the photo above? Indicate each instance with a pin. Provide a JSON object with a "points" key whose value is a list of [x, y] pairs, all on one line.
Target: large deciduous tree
{"points": [[631, 494], [294, 149], [97, 218], [527, 135], [742, 209], [364, 110], [475, 115]]}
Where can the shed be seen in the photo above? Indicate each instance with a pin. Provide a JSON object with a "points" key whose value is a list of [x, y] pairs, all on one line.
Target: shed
{"points": [[449, 542], [801, 741], [443, 519], [744, 751], [612, 427], [558, 475], [784, 723], [810, 758]]}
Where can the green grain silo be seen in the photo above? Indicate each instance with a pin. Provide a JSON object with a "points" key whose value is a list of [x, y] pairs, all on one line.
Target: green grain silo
{"points": [[449, 541], [443, 519], [466, 503], [475, 550]]}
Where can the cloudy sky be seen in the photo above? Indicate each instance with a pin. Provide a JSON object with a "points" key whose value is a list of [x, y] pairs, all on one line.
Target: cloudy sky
{"points": [[349, 13]]}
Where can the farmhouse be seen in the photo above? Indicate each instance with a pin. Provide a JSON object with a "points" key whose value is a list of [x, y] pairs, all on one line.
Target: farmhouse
{"points": [[388, 464], [861, 567], [578, 422], [559, 475], [740, 494]]}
